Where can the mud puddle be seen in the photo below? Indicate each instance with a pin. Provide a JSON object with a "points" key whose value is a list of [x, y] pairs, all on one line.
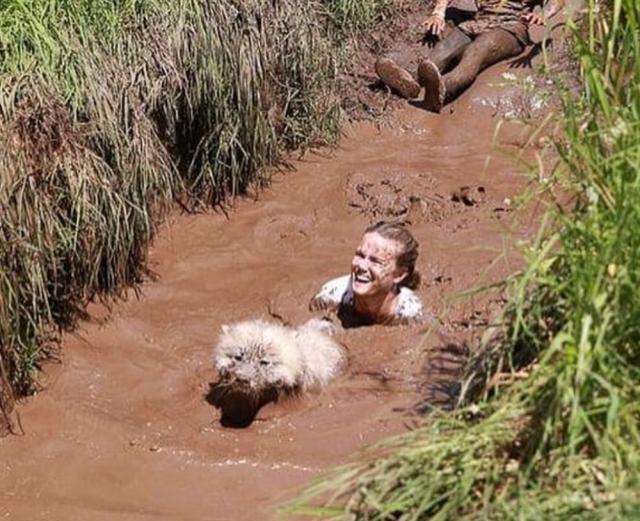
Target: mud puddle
{"points": [[123, 430]]}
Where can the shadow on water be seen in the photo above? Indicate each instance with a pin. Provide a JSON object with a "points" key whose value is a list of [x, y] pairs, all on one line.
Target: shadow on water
{"points": [[442, 375], [238, 408]]}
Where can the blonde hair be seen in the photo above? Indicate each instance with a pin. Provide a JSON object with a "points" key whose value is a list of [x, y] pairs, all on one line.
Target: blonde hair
{"points": [[399, 233]]}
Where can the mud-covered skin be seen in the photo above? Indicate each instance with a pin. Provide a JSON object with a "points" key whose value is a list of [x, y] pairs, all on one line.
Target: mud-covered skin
{"points": [[449, 49], [497, 32], [459, 54], [486, 50], [336, 296], [434, 87], [470, 57], [397, 78], [493, 14]]}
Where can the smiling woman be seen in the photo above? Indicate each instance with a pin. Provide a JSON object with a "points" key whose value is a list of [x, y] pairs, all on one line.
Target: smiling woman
{"points": [[379, 289]]}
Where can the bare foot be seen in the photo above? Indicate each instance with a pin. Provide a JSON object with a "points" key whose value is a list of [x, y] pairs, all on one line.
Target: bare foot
{"points": [[397, 78], [434, 89]]}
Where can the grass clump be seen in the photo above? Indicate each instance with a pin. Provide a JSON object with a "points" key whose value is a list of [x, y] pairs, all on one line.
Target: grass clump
{"points": [[565, 442], [109, 111], [358, 15]]}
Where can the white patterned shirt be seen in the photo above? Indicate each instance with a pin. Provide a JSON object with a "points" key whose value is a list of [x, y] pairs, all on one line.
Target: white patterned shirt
{"points": [[337, 295]]}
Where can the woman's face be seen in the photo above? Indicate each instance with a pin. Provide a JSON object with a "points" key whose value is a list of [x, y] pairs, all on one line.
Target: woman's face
{"points": [[374, 268]]}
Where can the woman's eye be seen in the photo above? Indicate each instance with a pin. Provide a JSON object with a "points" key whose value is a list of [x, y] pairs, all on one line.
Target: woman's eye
{"points": [[237, 358], [264, 362]]}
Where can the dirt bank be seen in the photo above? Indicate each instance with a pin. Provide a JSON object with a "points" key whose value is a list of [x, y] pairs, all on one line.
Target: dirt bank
{"points": [[123, 430]]}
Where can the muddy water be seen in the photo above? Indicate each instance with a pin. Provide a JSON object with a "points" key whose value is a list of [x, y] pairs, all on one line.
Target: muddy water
{"points": [[123, 430]]}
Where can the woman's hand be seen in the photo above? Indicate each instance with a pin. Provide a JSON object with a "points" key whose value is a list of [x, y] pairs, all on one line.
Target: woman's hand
{"points": [[434, 24], [534, 19]]}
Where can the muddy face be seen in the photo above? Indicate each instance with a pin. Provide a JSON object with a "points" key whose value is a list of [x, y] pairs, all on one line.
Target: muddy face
{"points": [[254, 357], [374, 268], [254, 368], [252, 374]]}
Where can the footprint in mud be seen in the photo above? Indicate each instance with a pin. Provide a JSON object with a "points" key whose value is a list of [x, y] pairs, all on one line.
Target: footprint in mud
{"points": [[396, 196], [286, 231], [469, 195], [412, 198]]}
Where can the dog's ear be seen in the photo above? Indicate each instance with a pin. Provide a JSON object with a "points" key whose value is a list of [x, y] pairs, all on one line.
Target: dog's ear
{"points": [[225, 328]]}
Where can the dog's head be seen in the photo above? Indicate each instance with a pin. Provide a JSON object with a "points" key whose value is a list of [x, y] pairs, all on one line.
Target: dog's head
{"points": [[257, 356]]}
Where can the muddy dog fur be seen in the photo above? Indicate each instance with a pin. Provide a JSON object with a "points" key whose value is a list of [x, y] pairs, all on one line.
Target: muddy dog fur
{"points": [[259, 362]]}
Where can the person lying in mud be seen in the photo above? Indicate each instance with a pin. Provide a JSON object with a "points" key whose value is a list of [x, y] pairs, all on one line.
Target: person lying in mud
{"points": [[379, 289], [498, 31]]}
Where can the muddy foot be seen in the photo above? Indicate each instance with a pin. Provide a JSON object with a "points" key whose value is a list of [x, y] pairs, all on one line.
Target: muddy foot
{"points": [[434, 90], [397, 78], [469, 196]]}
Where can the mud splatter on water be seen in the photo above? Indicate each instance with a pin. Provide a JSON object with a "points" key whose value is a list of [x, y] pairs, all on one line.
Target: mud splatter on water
{"points": [[123, 429]]}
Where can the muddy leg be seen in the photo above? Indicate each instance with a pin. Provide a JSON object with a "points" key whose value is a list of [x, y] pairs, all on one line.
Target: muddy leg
{"points": [[444, 54], [449, 49], [485, 50]]}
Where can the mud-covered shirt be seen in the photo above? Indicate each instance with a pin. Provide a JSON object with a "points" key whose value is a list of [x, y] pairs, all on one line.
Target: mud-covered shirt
{"points": [[337, 295], [495, 14]]}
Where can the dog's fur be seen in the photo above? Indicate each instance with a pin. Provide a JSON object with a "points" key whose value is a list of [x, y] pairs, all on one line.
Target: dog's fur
{"points": [[262, 357]]}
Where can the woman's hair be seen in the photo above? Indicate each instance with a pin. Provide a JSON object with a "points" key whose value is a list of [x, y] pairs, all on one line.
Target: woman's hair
{"points": [[399, 233]]}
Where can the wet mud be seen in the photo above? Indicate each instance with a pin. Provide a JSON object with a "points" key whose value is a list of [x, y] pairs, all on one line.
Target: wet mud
{"points": [[124, 430]]}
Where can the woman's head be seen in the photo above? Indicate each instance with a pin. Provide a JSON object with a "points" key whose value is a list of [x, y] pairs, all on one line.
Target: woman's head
{"points": [[384, 260]]}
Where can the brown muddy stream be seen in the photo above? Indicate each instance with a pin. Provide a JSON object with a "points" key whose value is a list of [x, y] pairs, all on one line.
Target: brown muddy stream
{"points": [[123, 430]]}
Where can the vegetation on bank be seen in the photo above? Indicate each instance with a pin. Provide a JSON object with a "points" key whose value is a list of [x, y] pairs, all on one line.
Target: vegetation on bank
{"points": [[563, 443], [112, 110], [350, 15]]}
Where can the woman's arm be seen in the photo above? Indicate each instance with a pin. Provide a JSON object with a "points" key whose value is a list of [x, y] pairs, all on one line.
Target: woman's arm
{"points": [[434, 23], [439, 8], [330, 294], [550, 9]]}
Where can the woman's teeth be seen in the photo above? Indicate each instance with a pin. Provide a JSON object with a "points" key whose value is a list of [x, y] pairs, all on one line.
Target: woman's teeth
{"points": [[363, 277]]}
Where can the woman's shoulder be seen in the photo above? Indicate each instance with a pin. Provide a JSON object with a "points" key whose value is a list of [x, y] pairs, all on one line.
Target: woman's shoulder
{"points": [[331, 293], [409, 306]]}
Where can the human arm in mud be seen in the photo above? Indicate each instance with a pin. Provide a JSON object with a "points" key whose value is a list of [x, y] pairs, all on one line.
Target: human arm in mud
{"points": [[330, 294], [318, 303], [550, 9], [434, 23], [325, 312]]}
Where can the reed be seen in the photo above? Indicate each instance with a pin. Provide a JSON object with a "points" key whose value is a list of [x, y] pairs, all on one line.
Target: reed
{"points": [[358, 15]]}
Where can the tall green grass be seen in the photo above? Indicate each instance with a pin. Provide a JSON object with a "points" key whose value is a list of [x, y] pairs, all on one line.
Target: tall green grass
{"points": [[565, 442], [110, 110], [358, 15]]}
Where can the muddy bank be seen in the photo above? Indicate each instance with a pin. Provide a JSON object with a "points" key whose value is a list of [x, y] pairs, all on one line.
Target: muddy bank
{"points": [[123, 430]]}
